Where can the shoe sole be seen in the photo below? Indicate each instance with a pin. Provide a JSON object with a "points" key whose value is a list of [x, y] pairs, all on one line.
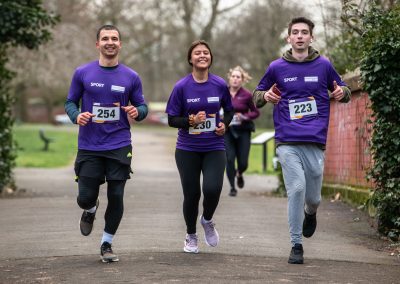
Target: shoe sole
{"points": [[295, 261], [108, 260], [190, 251]]}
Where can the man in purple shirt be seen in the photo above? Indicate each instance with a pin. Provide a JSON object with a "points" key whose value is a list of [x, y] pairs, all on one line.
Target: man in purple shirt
{"points": [[103, 89], [297, 84]]}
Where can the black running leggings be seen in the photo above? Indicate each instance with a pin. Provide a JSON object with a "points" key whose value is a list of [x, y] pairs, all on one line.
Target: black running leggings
{"points": [[237, 148], [190, 166], [89, 192]]}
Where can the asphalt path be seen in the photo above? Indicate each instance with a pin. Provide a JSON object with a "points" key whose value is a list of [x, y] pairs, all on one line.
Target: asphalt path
{"points": [[41, 242]]}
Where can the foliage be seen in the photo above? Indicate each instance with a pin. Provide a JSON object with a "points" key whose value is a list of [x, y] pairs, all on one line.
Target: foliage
{"points": [[380, 75], [345, 54], [23, 24], [7, 147]]}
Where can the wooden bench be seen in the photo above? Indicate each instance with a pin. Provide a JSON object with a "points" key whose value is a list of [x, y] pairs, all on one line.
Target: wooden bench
{"points": [[262, 139], [46, 140]]}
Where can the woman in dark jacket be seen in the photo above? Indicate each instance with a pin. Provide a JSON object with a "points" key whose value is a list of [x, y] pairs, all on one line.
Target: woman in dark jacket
{"points": [[238, 136]]}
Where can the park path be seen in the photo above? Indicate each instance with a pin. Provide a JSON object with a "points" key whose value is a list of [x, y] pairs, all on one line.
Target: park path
{"points": [[41, 243]]}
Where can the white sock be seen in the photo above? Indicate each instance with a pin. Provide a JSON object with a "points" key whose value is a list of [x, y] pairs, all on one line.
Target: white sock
{"points": [[107, 238], [92, 210]]}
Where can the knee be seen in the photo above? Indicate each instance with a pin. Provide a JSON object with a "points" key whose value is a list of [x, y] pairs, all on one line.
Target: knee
{"points": [[85, 203], [295, 190], [211, 193], [312, 204]]}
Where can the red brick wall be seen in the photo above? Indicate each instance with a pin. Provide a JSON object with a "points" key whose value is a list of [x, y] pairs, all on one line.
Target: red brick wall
{"points": [[347, 155]]}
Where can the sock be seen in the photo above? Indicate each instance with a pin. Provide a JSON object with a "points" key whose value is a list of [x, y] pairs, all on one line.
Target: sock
{"points": [[205, 221], [92, 210], [107, 238]]}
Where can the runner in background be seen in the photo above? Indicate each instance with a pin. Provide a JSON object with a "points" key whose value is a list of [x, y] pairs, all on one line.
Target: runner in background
{"points": [[238, 135]]}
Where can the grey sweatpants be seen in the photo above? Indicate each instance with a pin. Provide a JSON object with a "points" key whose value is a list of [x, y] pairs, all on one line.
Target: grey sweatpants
{"points": [[302, 168]]}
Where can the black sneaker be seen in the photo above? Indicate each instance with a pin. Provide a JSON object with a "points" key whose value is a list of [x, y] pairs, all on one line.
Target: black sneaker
{"points": [[233, 192], [107, 254], [309, 224], [296, 254], [87, 220], [240, 181]]}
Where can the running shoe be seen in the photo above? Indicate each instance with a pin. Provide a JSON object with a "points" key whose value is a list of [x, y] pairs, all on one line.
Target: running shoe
{"points": [[240, 181], [233, 192], [191, 243], [107, 254], [87, 220], [309, 224], [296, 254], [211, 234]]}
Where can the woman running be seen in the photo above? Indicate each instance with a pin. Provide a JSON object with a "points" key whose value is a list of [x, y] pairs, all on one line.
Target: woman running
{"points": [[193, 107]]}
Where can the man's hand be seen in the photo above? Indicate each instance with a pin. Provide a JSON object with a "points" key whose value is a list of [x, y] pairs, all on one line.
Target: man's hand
{"points": [[220, 130], [273, 95], [337, 93], [131, 111], [83, 118]]}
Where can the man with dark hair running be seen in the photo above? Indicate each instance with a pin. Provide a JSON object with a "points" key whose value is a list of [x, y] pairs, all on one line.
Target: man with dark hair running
{"points": [[108, 94], [297, 84]]}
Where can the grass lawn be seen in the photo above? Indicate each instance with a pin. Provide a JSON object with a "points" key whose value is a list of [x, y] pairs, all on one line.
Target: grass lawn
{"points": [[61, 151], [256, 156]]}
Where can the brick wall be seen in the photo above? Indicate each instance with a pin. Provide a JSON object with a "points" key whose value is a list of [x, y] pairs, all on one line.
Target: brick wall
{"points": [[347, 150]]}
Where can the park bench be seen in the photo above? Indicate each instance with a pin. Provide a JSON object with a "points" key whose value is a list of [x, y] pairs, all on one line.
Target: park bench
{"points": [[262, 139], [46, 140]]}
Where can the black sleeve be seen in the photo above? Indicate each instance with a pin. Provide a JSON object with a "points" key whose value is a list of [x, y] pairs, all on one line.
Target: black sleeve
{"points": [[178, 122], [72, 109], [142, 111], [228, 117]]}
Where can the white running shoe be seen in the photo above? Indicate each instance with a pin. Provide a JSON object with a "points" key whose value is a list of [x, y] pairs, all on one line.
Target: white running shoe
{"points": [[191, 243]]}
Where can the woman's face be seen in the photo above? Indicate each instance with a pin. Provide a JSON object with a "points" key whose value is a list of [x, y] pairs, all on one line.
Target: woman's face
{"points": [[235, 80], [201, 57]]}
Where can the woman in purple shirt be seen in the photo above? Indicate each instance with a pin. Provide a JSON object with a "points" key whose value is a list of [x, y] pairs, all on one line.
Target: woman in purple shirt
{"points": [[193, 107], [238, 135]]}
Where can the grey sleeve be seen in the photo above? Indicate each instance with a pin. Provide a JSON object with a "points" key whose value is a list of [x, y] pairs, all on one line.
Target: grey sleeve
{"points": [[258, 98]]}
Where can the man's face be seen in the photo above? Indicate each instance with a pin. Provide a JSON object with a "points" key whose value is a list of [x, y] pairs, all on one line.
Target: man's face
{"points": [[108, 43], [300, 37]]}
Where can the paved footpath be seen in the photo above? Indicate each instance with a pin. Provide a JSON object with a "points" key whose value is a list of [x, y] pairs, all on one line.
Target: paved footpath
{"points": [[41, 242]]}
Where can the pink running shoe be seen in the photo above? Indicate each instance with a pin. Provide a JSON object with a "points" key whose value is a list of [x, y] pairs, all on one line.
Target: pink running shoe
{"points": [[211, 234], [191, 243]]}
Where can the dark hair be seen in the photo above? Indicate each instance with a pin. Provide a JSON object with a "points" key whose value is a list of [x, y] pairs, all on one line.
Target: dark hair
{"points": [[193, 45], [301, 20], [107, 28]]}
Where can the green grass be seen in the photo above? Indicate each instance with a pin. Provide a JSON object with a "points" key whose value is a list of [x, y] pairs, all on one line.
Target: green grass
{"points": [[256, 158], [62, 150]]}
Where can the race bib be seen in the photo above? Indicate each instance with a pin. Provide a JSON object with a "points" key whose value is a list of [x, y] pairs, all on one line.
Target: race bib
{"points": [[236, 120], [206, 126], [106, 113], [299, 109]]}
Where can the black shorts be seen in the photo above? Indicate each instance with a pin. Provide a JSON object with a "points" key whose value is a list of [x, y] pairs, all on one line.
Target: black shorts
{"points": [[104, 165]]}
